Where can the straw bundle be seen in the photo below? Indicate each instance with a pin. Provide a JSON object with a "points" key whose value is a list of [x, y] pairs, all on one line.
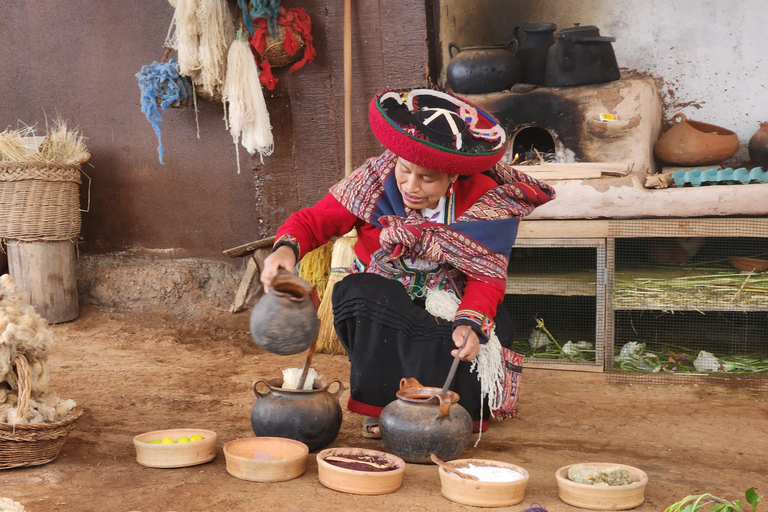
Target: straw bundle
{"points": [[59, 145], [316, 266], [341, 259]]}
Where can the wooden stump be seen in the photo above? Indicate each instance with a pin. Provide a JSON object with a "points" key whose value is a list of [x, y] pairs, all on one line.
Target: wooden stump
{"points": [[46, 272]]}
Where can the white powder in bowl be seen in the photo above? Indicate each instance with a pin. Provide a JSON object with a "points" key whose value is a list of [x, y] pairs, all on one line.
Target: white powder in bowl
{"points": [[492, 473]]}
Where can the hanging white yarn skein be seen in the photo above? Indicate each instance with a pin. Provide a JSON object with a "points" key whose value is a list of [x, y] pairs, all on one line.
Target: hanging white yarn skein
{"points": [[185, 37], [248, 115], [216, 33]]}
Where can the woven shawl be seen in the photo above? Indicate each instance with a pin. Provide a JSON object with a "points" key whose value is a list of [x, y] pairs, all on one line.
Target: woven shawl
{"points": [[478, 242]]}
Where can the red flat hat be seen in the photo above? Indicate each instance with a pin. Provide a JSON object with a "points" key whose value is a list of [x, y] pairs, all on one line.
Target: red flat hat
{"points": [[437, 130]]}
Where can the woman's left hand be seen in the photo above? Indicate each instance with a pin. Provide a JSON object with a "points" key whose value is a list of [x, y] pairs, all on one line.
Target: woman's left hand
{"points": [[469, 352]]}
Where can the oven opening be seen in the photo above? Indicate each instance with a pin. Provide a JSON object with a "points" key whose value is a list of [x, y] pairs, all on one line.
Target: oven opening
{"points": [[534, 145]]}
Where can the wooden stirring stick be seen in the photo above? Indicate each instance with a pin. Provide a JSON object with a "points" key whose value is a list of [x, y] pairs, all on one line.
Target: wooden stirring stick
{"points": [[455, 365], [451, 469], [311, 351]]}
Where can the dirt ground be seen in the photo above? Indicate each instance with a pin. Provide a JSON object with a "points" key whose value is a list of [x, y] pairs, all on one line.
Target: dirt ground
{"points": [[136, 373]]}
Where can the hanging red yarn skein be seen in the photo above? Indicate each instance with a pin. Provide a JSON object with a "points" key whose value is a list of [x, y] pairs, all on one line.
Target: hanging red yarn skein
{"points": [[296, 21]]}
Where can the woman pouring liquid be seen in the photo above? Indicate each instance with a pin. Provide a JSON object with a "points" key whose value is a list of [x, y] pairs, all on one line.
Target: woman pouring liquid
{"points": [[436, 216]]}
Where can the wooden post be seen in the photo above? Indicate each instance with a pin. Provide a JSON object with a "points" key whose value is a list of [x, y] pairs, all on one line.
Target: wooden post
{"points": [[46, 272]]}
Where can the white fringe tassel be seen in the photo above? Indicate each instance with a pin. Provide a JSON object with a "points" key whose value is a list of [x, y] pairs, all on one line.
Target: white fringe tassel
{"points": [[248, 115], [489, 363]]}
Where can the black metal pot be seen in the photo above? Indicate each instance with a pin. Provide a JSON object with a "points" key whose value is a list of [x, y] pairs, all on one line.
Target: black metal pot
{"points": [[482, 69], [581, 56]]}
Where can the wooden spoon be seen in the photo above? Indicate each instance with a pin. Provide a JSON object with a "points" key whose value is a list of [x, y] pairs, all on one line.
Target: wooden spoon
{"points": [[345, 459], [451, 469]]}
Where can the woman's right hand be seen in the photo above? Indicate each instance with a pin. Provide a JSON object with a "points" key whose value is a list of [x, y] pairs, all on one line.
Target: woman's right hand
{"points": [[282, 258]]}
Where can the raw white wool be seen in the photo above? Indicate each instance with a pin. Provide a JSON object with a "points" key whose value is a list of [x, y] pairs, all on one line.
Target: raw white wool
{"points": [[23, 331], [291, 378], [492, 473]]}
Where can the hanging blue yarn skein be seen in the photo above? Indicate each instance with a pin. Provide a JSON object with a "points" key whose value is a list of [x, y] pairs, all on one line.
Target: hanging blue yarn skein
{"points": [[269, 10], [161, 80], [535, 507], [243, 4]]}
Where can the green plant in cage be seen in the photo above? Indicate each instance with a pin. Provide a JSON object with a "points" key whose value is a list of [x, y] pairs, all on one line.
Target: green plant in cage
{"points": [[540, 341], [671, 358], [699, 502]]}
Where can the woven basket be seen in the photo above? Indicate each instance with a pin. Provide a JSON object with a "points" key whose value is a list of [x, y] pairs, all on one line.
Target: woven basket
{"points": [[39, 201], [275, 53], [23, 445]]}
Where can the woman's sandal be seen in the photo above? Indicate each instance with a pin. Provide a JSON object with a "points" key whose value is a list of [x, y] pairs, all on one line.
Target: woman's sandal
{"points": [[368, 426]]}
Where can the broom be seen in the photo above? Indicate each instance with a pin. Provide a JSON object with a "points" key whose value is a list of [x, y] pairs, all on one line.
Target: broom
{"points": [[343, 249], [341, 258]]}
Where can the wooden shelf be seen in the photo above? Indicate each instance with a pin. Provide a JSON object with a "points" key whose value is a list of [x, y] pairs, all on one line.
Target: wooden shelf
{"points": [[564, 284], [675, 289]]}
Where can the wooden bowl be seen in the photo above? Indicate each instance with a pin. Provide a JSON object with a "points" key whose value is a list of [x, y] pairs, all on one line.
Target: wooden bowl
{"points": [[480, 493], [289, 459], [748, 264], [175, 455], [598, 497], [360, 482]]}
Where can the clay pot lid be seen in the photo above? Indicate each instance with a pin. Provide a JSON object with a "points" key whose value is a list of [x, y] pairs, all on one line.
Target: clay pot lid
{"points": [[580, 30], [539, 27]]}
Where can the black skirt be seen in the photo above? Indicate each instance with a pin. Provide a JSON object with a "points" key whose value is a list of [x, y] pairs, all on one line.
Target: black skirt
{"points": [[388, 336]]}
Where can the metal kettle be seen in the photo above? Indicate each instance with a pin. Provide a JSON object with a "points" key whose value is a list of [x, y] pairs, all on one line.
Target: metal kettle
{"points": [[581, 56]]}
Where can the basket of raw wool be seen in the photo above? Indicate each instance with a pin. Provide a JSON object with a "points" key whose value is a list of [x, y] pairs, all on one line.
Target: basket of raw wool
{"points": [[40, 181], [34, 422]]}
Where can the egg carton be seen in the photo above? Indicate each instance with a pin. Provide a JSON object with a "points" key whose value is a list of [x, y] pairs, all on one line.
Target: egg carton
{"points": [[727, 176]]}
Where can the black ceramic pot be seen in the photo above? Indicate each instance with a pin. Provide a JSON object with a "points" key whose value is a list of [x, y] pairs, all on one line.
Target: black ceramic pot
{"points": [[312, 416], [422, 422], [533, 49], [758, 147], [482, 69]]}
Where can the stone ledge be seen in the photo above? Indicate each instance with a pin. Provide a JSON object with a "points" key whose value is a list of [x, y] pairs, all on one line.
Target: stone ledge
{"points": [[122, 282]]}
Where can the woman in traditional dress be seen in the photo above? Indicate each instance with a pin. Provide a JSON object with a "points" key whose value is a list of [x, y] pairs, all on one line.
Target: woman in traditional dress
{"points": [[436, 216]]}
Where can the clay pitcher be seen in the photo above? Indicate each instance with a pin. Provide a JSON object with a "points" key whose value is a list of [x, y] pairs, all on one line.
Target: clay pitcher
{"points": [[310, 416], [691, 143], [422, 421], [532, 53], [284, 321], [758, 147]]}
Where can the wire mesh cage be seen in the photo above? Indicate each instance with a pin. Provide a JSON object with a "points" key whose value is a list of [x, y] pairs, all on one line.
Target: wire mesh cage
{"points": [[556, 300], [690, 307]]}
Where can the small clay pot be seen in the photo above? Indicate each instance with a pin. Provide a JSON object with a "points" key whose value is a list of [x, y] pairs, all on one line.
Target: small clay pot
{"points": [[691, 143], [758, 147]]}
